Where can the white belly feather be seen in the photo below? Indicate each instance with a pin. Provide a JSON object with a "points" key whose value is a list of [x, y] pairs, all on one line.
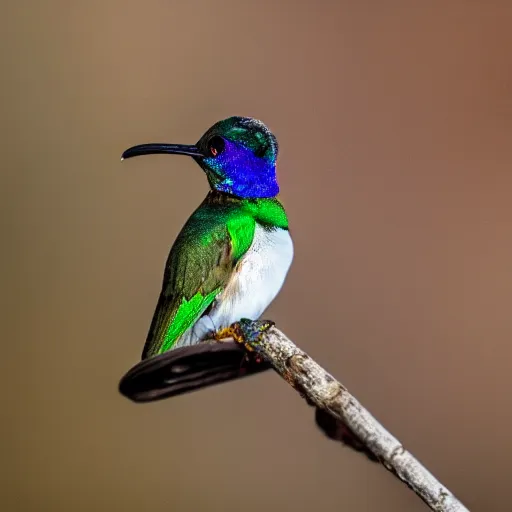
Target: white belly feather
{"points": [[257, 279]]}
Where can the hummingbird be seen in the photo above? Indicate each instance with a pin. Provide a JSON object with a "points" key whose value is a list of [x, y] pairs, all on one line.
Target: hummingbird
{"points": [[232, 256]]}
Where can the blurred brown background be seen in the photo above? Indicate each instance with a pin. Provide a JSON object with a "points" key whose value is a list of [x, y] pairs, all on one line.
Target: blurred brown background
{"points": [[395, 127]]}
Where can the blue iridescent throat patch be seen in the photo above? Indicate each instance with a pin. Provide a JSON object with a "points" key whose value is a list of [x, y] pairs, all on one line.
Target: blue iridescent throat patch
{"points": [[240, 172]]}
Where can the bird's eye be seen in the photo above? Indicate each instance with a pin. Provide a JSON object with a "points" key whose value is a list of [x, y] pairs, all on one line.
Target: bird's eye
{"points": [[216, 145]]}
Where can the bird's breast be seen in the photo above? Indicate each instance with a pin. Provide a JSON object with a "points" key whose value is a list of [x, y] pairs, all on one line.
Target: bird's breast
{"points": [[258, 277]]}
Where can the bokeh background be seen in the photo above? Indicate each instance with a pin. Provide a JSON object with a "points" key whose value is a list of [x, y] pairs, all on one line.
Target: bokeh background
{"points": [[395, 124]]}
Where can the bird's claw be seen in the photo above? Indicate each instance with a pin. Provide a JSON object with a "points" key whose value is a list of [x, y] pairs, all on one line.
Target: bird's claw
{"points": [[224, 334], [249, 332]]}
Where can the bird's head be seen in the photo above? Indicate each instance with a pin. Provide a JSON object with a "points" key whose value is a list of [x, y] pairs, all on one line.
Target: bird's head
{"points": [[237, 154]]}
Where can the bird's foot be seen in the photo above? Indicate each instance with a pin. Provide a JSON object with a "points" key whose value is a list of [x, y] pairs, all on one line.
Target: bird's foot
{"points": [[227, 333], [249, 332]]}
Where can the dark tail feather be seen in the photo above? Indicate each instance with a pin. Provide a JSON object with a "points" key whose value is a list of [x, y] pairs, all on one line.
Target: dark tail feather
{"points": [[336, 430]]}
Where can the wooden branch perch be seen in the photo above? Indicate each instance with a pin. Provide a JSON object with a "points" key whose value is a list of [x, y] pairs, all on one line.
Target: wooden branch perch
{"points": [[319, 387]]}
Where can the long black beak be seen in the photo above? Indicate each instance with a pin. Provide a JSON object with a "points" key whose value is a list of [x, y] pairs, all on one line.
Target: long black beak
{"points": [[156, 149]]}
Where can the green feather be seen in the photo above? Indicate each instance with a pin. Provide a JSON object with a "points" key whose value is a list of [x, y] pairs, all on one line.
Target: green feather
{"points": [[187, 314]]}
